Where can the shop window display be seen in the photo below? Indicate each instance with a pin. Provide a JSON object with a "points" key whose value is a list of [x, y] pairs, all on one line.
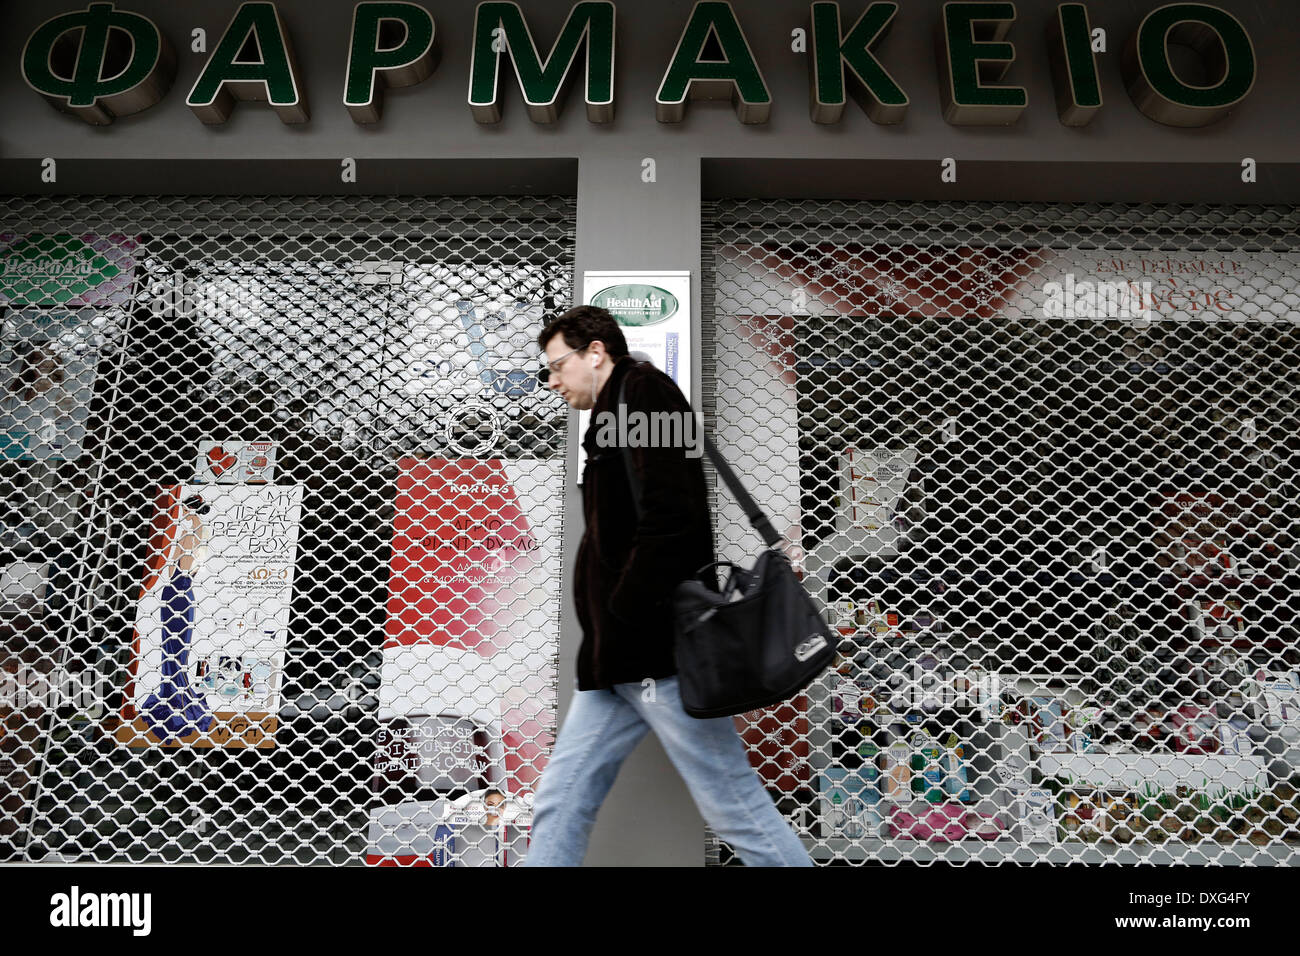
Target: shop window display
{"points": [[250, 362], [1061, 553]]}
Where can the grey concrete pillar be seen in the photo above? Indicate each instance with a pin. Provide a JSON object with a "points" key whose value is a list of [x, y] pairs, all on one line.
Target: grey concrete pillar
{"points": [[649, 818]]}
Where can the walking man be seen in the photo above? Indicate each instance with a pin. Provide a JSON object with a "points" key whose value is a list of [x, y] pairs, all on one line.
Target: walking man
{"points": [[627, 569]]}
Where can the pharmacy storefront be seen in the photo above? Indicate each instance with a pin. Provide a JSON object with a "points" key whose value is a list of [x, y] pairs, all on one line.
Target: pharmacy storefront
{"points": [[995, 308]]}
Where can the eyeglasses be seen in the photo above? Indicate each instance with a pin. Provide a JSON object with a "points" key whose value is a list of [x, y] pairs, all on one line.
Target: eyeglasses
{"points": [[553, 368]]}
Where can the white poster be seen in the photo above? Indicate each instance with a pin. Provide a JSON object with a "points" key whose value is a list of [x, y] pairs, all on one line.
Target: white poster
{"points": [[872, 484], [481, 828], [654, 311], [213, 618], [1280, 701], [1035, 811]]}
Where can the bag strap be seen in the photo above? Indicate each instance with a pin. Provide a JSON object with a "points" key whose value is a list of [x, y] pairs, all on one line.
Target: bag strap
{"points": [[752, 511]]}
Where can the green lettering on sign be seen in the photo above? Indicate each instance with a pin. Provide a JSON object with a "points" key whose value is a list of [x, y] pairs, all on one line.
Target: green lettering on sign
{"points": [[637, 305], [44, 270], [972, 55], [371, 66], [271, 78], [99, 63], [1224, 48], [1074, 65], [736, 76], [541, 83], [872, 87]]}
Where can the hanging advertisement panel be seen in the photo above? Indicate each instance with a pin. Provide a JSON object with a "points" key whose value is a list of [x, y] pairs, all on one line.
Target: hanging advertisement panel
{"points": [[654, 311], [66, 270], [233, 462], [213, 617], [466, 699], [48, 364], [872, 484]]}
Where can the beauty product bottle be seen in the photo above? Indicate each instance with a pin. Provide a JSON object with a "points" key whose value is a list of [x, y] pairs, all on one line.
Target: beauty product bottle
{"points": [[956, 777], [927, 768], [896, 768]]}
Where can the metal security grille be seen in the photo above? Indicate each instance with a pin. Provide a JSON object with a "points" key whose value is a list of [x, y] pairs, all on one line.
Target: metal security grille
{"points": [[1040, 462], [281, 538]]}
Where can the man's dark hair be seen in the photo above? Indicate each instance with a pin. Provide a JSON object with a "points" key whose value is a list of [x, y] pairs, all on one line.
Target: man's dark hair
{"points": [[584, 325]]}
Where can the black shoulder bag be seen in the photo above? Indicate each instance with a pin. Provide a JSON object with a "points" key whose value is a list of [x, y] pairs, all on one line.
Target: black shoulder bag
{"points": [[758, 641]]}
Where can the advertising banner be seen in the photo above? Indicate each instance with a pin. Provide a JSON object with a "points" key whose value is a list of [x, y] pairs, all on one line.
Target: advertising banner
{"points": [[654, 310], [213, 617], [48, 364], [480, 352], [466, 699], [502, 344], [482, 828], [235, 462], [1018, 282], [25, 690], [479, 357], [872, 483], [66, 270], [1151, 287]]}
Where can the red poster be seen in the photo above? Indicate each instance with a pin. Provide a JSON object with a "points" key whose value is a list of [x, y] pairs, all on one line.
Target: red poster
{"points": [[467, 696]]}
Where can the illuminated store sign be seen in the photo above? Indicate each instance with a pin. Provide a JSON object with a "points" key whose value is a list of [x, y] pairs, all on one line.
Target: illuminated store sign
{"points": [[103, 62]]}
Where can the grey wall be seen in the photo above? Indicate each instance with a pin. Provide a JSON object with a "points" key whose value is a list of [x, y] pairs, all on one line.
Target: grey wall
{"points": [[427, 142]]}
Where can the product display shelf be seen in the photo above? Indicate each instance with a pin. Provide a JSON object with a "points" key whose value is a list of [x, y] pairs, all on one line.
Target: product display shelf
{"points": [[1161, 366], [878, 575], [1258, 590], [1010, 850], [989, 740]]}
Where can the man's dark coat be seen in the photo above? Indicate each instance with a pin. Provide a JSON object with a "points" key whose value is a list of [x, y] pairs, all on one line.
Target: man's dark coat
{"points": [[627, 569]]}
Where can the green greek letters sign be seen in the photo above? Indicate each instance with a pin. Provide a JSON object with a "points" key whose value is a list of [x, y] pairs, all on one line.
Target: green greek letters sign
{"points": [[231, 74], [500, 27], [374, 64], [99, 63], [735, 75], [1074, 66], [973, 55], [1226, 53], [102, 62], [871, 86]]}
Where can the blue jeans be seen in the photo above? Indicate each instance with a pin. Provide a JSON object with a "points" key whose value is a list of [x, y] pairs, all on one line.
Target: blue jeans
{"points": [[602, 728]]}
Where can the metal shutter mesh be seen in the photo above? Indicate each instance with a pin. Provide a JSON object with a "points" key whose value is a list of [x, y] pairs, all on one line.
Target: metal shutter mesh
{"points": [[365, 655], [1060, 544]]}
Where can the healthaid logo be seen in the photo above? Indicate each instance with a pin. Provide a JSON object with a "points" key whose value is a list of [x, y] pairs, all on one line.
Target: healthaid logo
{"points": [[78, 909]]}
